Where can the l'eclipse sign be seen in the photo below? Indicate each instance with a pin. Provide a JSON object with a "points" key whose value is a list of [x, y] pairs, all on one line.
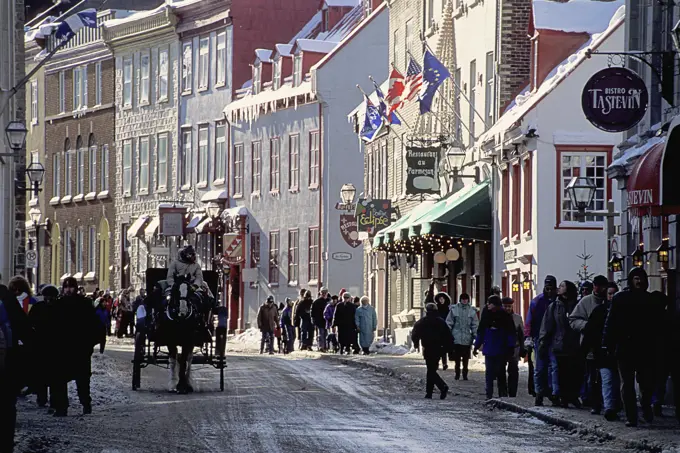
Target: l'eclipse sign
{"points": [[615, 99]]}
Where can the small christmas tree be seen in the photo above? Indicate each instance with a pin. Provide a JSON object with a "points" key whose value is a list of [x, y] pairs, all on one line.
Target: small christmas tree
{"points": [[583, 274]]}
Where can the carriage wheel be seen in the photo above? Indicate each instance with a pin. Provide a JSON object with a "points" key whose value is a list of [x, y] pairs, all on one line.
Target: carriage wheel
{"points": [[136, 374]]}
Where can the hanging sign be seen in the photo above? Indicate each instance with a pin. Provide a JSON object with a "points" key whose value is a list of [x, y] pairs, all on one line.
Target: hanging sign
{"points": [[349, 231], [421, 174], [172, 221], [373, 215], [615, 99]]}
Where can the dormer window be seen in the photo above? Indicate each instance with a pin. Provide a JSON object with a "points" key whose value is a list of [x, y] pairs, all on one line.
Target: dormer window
{"points": [[297, 70], [257, 78], [325, 20], [276, 74]]}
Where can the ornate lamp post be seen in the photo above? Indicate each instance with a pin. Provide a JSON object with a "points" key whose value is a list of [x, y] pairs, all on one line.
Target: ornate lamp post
{"points": [[36, 216]]}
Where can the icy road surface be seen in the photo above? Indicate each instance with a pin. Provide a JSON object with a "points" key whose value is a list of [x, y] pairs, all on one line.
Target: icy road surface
{"points": [[276, 404]]}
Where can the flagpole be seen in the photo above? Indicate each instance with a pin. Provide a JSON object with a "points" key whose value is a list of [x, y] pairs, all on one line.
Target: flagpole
{"points": [[457, 87]]}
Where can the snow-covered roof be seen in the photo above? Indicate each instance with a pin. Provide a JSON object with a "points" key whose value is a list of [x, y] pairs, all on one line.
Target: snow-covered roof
{"points": [[636, 151], [148, 13], [343, 28], [314, 45], [529, 99], [283, 49], [311, 28], [576, 16], [247, 109], [264, 55], [341, 3]]}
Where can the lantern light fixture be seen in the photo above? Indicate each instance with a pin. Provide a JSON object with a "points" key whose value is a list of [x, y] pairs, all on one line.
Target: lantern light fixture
{"points": [[662, 252], [515, 286], [616, 262], [638, 257]]}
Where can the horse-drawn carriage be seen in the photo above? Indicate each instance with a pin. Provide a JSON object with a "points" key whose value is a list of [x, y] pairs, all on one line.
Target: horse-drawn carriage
{"points": [[180, 316]]}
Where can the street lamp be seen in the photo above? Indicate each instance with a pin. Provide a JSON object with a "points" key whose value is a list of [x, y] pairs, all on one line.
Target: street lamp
{"points": [[36, 216], [526, 284], [581, 191], [347, 193], [35, 172], [662, 252], [16, 135], [616, 262], [515, 286], [213, 210], [638, 257]]}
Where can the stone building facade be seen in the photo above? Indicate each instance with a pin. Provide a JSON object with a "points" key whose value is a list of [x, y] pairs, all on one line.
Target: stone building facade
{"points": [[80, 159]]}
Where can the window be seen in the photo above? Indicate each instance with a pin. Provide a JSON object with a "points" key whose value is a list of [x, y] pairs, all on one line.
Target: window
{"points": [[62, 93], [254, 250], [257, 78], [505, 204], [79, 88], [221, 58], [238, 170], [98, 83], [294, 163], [144, 164], [203, 62], [274, 164], [68, 188], [516, 187], [127, 82], [34, 102], [592, 165], [79, 250], [407, 41], [92, 247], [274, 246], [127, 167], [187, 67], [220, 152], [162, 171], [471, 110], [293, 257], [145, 81], [383, 169], [395, 46], [80, 166], [488, 95], [56, 175], [429, 14], [186, 158], [297, 70], [203, 153], [68, 252], [314, 159], [105, 167], [324, 20], [276, 74], [162, 74], [528, 194], [256, 185], [92, 168], [456, 104], [313, 261]]}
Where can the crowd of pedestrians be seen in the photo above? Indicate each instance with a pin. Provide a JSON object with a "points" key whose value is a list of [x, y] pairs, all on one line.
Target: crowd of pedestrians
{"points": [[339, 323], [594, 345]]}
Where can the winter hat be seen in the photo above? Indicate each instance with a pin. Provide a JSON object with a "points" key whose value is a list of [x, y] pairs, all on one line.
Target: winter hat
{"points": [[495, 300], [550, 280], [430, 307], [323, 288]]}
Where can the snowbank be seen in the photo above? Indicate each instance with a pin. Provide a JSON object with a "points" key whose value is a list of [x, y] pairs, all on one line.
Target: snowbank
{"points": [[380, 347], [248, 340]]}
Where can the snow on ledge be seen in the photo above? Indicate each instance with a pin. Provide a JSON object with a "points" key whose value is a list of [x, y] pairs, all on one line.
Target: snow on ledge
{"points": [[247, 109]]}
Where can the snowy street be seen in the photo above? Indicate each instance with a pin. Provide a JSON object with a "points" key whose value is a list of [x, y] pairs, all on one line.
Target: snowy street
{"points": [[276, 404]]}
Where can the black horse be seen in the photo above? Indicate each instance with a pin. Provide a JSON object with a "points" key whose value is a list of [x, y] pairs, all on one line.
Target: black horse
{"points": [[180, 318]]}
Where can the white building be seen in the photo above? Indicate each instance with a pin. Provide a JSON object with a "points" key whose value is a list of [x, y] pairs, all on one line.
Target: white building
{"points": [[542, 141]]}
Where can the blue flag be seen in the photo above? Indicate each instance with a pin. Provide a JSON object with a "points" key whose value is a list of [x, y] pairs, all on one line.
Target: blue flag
{"points": [[434, 74], [73, 23], [373, 121], [382, 108]]}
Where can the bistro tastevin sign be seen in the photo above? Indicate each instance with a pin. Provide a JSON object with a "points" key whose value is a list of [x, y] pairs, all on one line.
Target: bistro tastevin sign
{"points": [[615, 99]]}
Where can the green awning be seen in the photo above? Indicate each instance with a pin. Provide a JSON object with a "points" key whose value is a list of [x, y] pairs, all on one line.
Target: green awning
{"points": [[464, 214], [393, 232]]}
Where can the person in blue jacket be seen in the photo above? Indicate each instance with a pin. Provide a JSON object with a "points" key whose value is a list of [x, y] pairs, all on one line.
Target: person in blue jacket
{"points": [[104, 323], [497, 338], [544, 367]]}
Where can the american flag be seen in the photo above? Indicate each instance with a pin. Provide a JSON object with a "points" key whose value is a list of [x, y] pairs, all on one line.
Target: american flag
{"points": [[414, 79], [395, 90]]}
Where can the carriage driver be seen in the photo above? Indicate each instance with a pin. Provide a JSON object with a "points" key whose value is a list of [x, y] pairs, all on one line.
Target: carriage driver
{"points": [[186, 265]]}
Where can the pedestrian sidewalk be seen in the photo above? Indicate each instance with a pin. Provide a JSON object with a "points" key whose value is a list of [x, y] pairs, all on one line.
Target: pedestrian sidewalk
{"points": [[663, 435]]}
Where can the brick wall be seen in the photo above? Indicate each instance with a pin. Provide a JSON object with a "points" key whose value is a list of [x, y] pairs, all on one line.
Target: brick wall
{"points": [[99, 122], [515, 50]]}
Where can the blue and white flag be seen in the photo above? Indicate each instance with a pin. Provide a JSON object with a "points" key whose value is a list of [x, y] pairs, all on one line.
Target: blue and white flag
{"points": [[72, 24], [373, 121], [382, 108], [434, 74]]}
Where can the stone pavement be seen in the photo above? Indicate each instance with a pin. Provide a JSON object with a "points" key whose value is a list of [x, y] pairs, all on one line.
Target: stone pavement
{"points": [[663, 435]]}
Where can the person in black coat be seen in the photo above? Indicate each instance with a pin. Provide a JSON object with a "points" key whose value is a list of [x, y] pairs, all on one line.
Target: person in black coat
{"points": [[75, 323], [443, 301], [631, 331], [318, 307], [14, 328], [303, 318], [435, 337], [343, 320]]}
